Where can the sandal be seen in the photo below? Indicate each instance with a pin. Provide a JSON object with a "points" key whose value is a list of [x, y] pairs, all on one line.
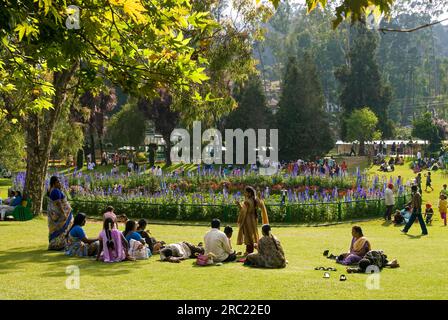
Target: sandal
{"points": [[326, 275], [319, 268], [331, 269], [326, 252], [342, 277]]}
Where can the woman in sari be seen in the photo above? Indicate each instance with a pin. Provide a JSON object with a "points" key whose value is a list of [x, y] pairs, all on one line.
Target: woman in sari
{"points": [[270, 252], [248, 219], [358, 248], [78, 244], [60, 217]]}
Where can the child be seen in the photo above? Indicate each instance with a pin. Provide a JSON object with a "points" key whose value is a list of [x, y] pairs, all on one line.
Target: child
{"points": [[428, 182], [442, 208], [113, 245], [429, 213]]}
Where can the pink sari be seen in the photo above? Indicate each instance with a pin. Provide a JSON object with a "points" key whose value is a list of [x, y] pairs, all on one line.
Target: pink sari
{"points": [[118, 253]]}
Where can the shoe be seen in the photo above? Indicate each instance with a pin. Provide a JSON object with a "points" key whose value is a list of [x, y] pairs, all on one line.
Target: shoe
{"points": [[342, 277], [326, 253], [326, 275], [424, 234], [403, 231]]}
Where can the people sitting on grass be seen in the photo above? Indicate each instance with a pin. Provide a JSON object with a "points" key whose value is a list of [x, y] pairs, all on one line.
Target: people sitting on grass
{"points": [[218, 244], [113, 245], [270, 252], [152, 243], [140, 250], [15, 199], [78, 244], [176, 252], [60, 216], [373, 261], [402, 217], [358, 248], [429, 212]]}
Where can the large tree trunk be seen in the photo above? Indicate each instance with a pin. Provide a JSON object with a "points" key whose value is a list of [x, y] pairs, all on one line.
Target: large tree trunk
{"points": [[362, 148], [166, 137], [39, 132]]}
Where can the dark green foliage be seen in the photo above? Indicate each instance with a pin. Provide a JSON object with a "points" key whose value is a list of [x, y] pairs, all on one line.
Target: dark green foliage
{"points": [[304, 131]]}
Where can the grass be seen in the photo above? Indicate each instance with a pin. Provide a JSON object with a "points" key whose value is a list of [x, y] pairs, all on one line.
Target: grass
{"points": [[28, 271]]}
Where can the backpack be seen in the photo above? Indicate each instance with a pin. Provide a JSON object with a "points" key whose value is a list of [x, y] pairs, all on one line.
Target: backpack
{"points": [[204, 260]]}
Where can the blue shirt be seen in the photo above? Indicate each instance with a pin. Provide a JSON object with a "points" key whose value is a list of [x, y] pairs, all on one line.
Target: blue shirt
{"points": [[78, 232], [16, 201], [134, 235], [56, 194]]}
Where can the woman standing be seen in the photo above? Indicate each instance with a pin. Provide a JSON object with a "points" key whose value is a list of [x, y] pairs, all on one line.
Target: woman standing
{"points": [[248, 219], [78, 244], [60, 217], [270, 252]]}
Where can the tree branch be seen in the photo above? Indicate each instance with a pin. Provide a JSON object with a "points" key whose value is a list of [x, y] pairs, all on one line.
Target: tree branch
{"points": [[384, 30]]}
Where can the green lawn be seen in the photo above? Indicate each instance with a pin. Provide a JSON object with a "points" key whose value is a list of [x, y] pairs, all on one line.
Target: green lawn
{"points": [[28, 271]]}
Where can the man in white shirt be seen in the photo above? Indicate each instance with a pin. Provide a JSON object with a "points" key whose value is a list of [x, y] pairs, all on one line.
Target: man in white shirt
{"points": [[217, 243], [389, 201]]}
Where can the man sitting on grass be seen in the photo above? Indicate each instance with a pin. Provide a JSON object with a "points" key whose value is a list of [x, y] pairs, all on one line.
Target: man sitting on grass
{"points": [[217, 243]]}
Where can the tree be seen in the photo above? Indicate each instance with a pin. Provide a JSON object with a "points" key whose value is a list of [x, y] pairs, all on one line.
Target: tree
{"points": [[361, 126], [130, 43], [361, 82], [161, 111], [252, 111], [425, 128], [98, 105], [303, 128], [127, 127], [12, 146]]}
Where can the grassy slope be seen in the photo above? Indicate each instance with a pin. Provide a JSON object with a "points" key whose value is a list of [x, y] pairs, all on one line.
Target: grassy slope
{"points": [[28, 271]]}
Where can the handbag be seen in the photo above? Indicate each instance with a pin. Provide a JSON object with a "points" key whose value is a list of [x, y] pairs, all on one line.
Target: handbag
{"points": [[204, 260], [137, 251]]}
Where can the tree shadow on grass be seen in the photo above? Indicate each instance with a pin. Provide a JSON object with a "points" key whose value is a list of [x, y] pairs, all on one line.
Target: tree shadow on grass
{"points": [[56, 263]]}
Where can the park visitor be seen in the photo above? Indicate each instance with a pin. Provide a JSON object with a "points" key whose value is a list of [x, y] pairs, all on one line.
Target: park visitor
{"points": [[217, 243], [137, 245], [113, 246], [15, 199], [78, 244], [444, 191], [402, 216], [228, 230], [176, 252], [428, 182], [270, 252], [416, 205], [358, 248], [443, 208], [389, 201], [152, 243], [248, 219], [374, 260], [418, 182], [429, 212], [60, 216], [110, 213]]}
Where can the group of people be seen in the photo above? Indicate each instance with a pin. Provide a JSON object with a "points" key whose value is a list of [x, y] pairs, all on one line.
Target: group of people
{"points": [[326, 166], [360, 255], [9, 204], [134, 243]]}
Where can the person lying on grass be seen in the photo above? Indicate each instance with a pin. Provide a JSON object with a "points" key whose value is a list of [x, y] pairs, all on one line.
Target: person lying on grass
{"points": [[152, 243], [78, 244], [373, 261], [270, 252], [176, 252], [113, 245], [358, 248]]}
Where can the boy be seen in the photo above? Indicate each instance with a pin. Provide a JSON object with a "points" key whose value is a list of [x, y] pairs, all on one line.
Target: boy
{"points": [[428, 182], [429, 212]]}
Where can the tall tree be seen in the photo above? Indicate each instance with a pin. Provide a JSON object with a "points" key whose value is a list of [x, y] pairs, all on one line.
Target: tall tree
{"points": [[50, 51], [99, 105], [361, 82], [361, 126], [303, 128]]}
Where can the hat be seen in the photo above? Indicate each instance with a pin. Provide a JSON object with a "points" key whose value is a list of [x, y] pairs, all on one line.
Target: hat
{"points": [[428, 205], [390, 186]]}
